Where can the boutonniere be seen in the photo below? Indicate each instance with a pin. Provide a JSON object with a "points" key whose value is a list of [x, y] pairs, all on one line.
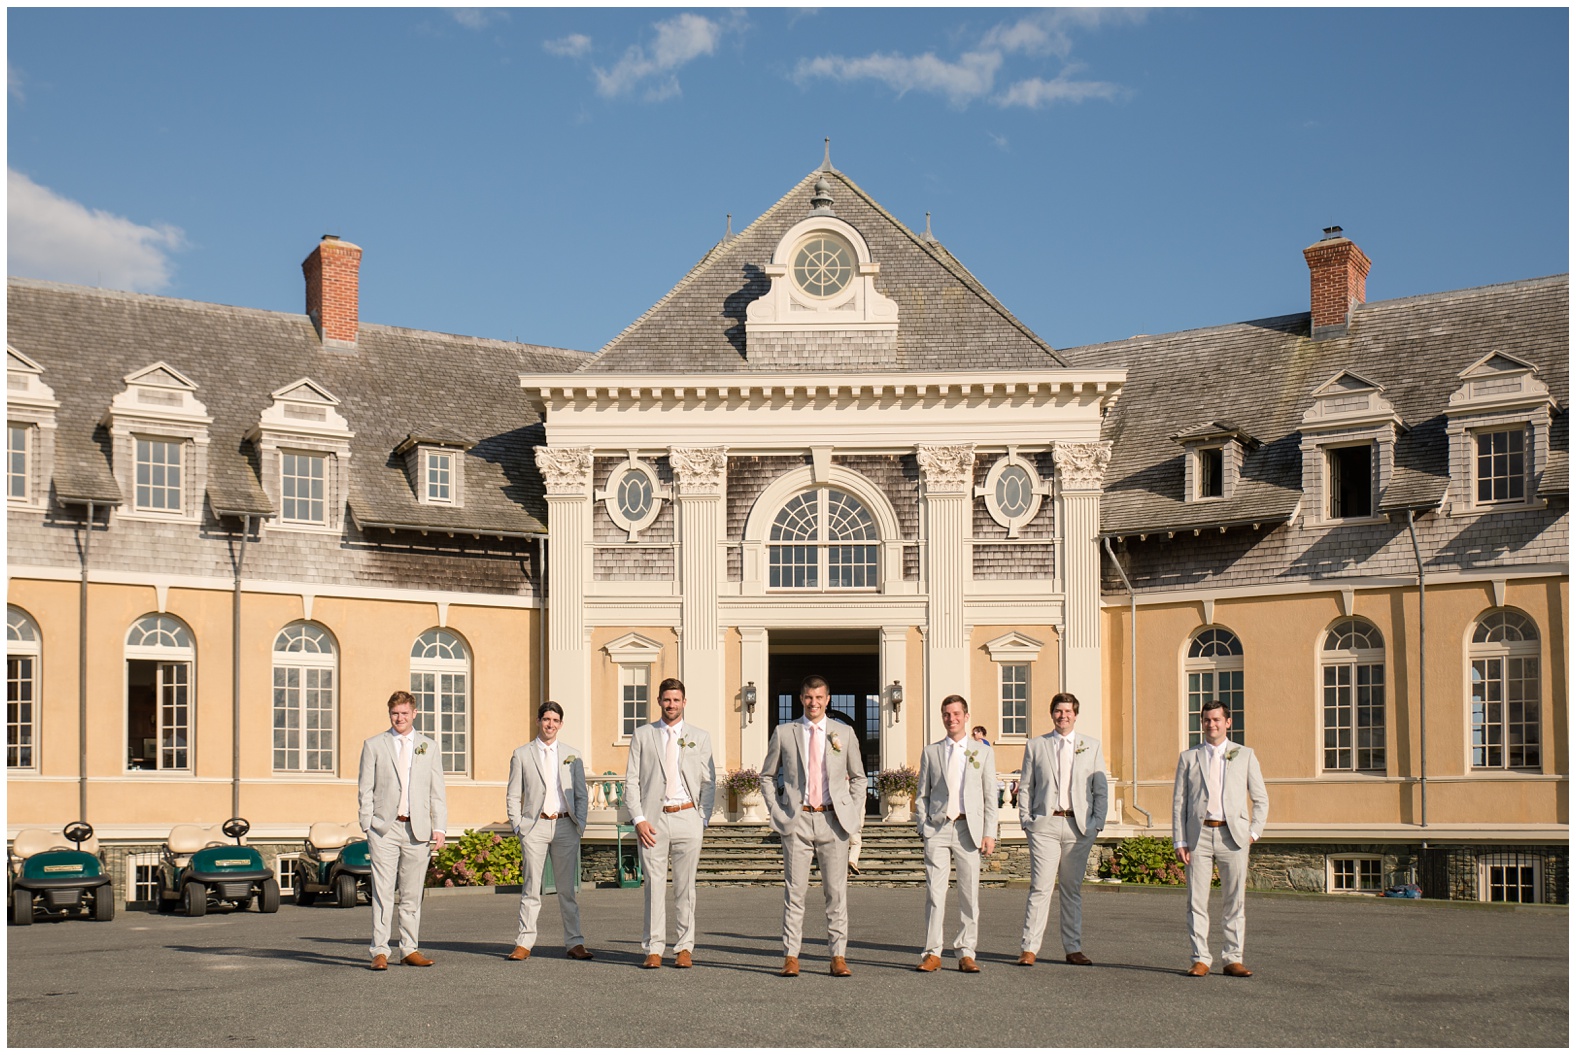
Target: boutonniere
{"points": [[972, 757], [836, 742], [569, 761], [421, 749], [1232, 753], [1081, 748], [686, 743]]}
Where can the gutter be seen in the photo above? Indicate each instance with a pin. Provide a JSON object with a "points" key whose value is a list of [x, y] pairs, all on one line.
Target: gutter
{"points": [[446, 529], [1218, 525], [1132, 681]]}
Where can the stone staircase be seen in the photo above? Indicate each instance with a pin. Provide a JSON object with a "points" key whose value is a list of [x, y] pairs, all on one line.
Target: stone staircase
{"points": [[751, 855]]}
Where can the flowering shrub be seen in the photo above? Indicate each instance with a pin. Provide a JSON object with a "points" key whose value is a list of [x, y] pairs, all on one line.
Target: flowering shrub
{"points": [[901, 781], [1147, 860], [477, 859], [742, 781]]}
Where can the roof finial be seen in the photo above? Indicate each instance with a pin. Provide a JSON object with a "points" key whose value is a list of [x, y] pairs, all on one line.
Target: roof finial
{"points": [[821, 200], [826, 165], [729, 235], [927, 235]]}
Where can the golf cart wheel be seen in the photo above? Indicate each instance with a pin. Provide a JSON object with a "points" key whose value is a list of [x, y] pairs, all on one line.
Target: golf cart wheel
{"points": [[194, 899], [303, 896], [22, 907], [268, 901], [345, 890], [104, 903]]}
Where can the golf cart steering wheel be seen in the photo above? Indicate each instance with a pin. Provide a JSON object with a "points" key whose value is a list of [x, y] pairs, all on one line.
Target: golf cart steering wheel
{"points": [[79, 832], [236, 827]]}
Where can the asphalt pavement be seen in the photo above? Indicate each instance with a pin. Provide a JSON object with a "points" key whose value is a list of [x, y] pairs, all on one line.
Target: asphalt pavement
{"points": [[1328, 972]]}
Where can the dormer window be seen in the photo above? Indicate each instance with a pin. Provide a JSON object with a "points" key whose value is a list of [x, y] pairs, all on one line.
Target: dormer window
{"points": [[30, 433], [435, 465], [301, 479], [303, 445], [159, 432], [440, 477], [1350, 473], [159, 480], [1211, 472], [823, 265], [1499, 435], [1212, 460], [1348, 449], [1500, 468]]}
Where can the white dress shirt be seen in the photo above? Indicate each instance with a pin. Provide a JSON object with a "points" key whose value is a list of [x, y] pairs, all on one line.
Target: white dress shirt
{"points": [[404, 756], [1214, 781], [553, 800], [957, 757]]}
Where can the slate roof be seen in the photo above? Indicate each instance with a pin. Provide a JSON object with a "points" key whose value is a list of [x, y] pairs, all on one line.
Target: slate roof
{"points": [[947, 320], [397, 382], [1260, 375]]}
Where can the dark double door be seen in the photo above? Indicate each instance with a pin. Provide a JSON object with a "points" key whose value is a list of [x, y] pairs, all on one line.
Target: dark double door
{"points": [[855, 684]]}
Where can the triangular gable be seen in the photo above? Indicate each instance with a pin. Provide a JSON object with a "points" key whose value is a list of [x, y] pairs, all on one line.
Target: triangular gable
{"points": [[15, 360], [1496, 362], [160, 375], [305, 390], [1013, 647], [633, 648], [1347, 381]]}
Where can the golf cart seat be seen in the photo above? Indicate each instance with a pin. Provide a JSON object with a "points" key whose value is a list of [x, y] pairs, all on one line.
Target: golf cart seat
{"points": [[329, 838], [30, 841], [187, 839]]}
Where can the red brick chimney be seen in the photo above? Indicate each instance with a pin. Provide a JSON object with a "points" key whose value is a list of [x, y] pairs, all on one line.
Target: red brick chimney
{"points": [[333, 289], [1338, 275]]}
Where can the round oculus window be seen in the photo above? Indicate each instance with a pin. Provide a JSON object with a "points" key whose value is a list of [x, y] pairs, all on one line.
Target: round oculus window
{"points": [[635, 495], [823, 265], [1014, 492]]}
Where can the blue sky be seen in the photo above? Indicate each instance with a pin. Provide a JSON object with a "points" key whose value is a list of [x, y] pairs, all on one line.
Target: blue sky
{"points": [[548, 174]]}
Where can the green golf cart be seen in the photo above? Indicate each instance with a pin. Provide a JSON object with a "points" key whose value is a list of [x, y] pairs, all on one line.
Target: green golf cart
{"points": [[336, 863], [200, 869], [46, 874]]}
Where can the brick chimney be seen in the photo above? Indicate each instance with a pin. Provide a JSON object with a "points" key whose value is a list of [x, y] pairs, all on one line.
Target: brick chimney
{"points": [[333, 285], [1338, 276]]}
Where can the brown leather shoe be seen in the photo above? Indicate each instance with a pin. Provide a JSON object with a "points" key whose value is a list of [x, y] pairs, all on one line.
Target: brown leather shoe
{"points": [[1026, 958], [1198, 970], [839, 968], [380, 963], [967, 965], [1078, 959], [1236, 970], [579, 952], [520, 953], [416, 959], [652, 961], [683, 959], [929, 963], [790, 967]]}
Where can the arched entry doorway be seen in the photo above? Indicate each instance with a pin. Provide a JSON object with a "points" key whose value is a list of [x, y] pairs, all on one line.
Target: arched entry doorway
{"points": [[849, 662]]}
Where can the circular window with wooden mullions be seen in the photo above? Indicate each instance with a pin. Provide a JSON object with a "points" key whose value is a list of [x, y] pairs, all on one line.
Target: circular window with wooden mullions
{"points": [[823, 265]]}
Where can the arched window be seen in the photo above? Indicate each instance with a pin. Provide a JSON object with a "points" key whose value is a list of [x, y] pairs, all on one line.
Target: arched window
{"points": [[1506, 701], [305, 660], [1214, 672], [440, 678], [1352, 664], [21, 689], [159, 658], [823, 539]]}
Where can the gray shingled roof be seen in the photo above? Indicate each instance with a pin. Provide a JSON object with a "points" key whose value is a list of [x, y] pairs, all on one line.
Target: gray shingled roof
{"points": [[946, 319], [398, 381], [1260, 376]]}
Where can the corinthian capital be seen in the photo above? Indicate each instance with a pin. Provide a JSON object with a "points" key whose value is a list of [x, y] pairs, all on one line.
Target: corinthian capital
{"points": [[698, 470], [1081, 466], [565, 470], [946, 467]]}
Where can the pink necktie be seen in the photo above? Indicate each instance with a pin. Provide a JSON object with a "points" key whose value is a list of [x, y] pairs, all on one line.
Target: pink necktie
{"points": [[814, 791]]}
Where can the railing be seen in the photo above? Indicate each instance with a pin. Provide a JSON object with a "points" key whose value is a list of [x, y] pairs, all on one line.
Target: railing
{"points": [[605, 792]]}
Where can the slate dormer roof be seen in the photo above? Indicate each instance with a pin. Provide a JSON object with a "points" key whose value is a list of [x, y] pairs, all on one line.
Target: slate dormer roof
{"points": [[947, 319], [1260, 375], [395, 383]]}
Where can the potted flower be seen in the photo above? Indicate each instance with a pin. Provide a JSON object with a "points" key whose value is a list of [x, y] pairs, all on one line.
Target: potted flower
{"points": [[745, 784], [899, 786]]}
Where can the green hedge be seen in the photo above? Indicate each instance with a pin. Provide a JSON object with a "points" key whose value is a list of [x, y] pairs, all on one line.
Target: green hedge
{"points": [[1147, 860]]}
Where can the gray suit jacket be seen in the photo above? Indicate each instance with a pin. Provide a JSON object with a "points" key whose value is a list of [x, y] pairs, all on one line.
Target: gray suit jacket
{"points": [[979, 790], [378, 787], [644, 784], [1090, 794], [528, 787], [784, 775], [1241, 788]]}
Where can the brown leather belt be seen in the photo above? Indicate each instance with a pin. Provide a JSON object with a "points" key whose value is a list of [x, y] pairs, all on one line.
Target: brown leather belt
{"points": [[815, 809], [1061, 813], [677, 809], [403, 819], [553, 816], [1214, 824]]}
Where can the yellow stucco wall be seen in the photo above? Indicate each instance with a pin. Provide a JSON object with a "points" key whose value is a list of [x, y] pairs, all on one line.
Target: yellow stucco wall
{"points": [[985, 689], [603, 743]]}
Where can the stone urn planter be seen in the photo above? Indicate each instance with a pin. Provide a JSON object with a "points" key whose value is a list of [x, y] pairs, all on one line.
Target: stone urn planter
{"points": [[898, 812], [750, 803]]}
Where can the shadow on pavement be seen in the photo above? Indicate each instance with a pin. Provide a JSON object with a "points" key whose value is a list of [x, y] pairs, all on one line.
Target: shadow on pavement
{"points": [[266, 954]]}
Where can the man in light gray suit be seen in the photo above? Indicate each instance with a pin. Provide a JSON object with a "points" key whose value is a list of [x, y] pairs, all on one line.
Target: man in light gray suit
{"points": [[546, 803], [956, 819], [401, 807], [814, 784], [670, 786], [1062, 800], [1217, 784]]}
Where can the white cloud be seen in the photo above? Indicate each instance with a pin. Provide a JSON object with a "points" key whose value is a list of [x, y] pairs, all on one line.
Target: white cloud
{"points": [[1037, 92], [571, 47], [997, 141], [53, 237], [478, 17], [679, 40], [13, 84], [961, 82]]}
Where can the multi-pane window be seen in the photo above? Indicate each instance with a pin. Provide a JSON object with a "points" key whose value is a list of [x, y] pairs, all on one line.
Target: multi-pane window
{"points": [[634, 690], [440, 477], [18, 451], [1501, 465], [825, 537], [1014, 699], [1506, 697], [1352, 668], [21, 689], [1356, 874], [301, 479], [440, 674], [1214, 672], [1509, 877], [1351, 481], [159, 475], [159, 657], [304, 694]]}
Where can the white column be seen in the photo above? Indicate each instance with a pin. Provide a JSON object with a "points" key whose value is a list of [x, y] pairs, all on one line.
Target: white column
{"points": [[947, 472], [567, 473], [894, 728], [1080, 470], [700, 473], [754, 661]]}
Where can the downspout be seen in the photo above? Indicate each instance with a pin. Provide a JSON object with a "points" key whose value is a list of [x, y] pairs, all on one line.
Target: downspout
{"points": [[235, 672], [1132, 681], [1422, 676], [82, 673]]}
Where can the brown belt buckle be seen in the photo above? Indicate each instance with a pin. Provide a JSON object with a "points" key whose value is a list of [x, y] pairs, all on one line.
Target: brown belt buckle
{"points": [[678, 809], [403, 819], [815, 809], [1214, 824]]}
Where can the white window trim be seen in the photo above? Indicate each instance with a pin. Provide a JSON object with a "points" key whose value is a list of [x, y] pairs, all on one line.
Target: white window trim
{"points": [[29, 458], [758, 526], [1348, 411], [1488, 860], [162, 654], [1211, 664], [625, 653], [608, 496], [1039, 490], [1329, 874], [428, 457], [34, 650], [822, 546], [1504, 650], [32, 404], [329, 488], [1498, 392], [440, 665], [160, 404], [303, 419], [1018, 649], [1349, 658], [321, 661]]}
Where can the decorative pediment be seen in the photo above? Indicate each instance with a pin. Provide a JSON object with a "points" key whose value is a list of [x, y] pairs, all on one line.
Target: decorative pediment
{"points": [[633, 648], [1349, 400], [1014, 648], [158, 394], [1499, 382], [303, 407], [25, 383]]}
